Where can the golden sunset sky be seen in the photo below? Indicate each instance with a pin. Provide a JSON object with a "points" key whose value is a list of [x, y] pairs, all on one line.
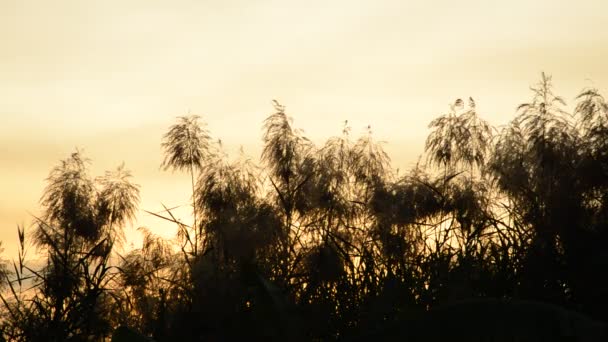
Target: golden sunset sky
{"points": [[110, 76]]}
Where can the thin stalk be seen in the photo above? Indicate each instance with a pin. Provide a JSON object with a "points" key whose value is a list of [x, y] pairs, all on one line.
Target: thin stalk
{"points": [[196, 235], [195, 252]]}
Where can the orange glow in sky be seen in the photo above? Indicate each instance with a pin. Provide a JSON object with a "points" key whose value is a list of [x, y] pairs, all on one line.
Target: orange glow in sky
{"points": [[110, 77]]}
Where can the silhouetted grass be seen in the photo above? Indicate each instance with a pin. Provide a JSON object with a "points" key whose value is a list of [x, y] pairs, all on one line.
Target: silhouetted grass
{"points": [[500, 235]]}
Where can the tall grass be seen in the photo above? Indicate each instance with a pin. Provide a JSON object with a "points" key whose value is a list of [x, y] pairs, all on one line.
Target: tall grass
{"points": [[327, 242]]}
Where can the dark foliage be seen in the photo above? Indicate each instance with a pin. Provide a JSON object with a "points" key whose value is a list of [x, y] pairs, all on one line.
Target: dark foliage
{"points": [[501, 233]]}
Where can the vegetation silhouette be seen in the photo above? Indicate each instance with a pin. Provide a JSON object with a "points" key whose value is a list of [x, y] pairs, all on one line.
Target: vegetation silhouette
{"points": [[500, 235]]}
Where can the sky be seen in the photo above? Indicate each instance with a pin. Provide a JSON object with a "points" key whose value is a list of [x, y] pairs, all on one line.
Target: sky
{"points": [[109, 77]]}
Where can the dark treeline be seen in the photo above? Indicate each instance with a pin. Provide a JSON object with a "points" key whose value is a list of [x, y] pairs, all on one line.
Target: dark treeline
{"points": [[328, 242]]}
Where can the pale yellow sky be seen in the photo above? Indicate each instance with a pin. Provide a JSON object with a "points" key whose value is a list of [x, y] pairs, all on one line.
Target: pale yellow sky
{"points": [[110, 76]]}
